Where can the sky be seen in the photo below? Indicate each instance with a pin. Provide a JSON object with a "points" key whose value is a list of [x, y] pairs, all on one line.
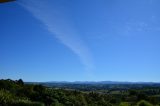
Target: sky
{"points": [[80, 40]]}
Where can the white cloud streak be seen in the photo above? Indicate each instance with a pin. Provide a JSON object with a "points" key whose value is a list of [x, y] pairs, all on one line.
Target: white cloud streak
{"points": [[57, 23]]}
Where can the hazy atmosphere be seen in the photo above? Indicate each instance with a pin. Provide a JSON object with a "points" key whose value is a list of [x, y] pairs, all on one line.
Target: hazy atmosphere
{"points": [[80, 40]]}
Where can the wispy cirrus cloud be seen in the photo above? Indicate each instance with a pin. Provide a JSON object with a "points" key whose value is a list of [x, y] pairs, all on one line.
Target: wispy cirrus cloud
{"points": [[57, 23]]}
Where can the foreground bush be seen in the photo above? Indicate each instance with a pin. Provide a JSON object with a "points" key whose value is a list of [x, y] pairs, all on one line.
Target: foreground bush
{"points": [[124, 104], [143, 103], [5, 97], [26, 103]]}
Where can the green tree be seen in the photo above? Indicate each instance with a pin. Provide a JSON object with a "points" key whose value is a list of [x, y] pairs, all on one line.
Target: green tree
{"points": [[143, 103], [20, 82], [124, 104]]}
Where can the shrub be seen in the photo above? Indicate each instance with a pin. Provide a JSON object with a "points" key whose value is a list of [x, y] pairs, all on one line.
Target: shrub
{"points": [[26, 103], [143, 103], [5, 97], [124, 104]]}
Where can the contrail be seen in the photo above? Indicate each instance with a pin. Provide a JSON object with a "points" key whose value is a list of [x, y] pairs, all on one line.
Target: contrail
{"points": [[56, 22]]}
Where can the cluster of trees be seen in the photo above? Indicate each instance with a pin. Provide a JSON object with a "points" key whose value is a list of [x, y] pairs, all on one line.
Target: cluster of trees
{"points": [[16, 93]]}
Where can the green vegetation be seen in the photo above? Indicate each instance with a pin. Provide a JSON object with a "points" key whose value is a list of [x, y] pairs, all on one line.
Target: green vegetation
{"points": [[16, 93]]}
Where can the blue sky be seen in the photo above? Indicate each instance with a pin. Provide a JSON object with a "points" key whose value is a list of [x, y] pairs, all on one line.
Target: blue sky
{"points": [[80, 40]]}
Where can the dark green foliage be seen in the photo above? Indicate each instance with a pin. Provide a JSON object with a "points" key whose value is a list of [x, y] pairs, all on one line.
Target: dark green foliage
{"points": [[26, 103], [16, 93], [20, 82], [5, 97], [144, 103], [124, 104], [142, 96], [133, 92]]}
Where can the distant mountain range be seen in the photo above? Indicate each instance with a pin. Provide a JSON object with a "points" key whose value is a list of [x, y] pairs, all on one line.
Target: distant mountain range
{"points": [[94, 82], [97, 85]]}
